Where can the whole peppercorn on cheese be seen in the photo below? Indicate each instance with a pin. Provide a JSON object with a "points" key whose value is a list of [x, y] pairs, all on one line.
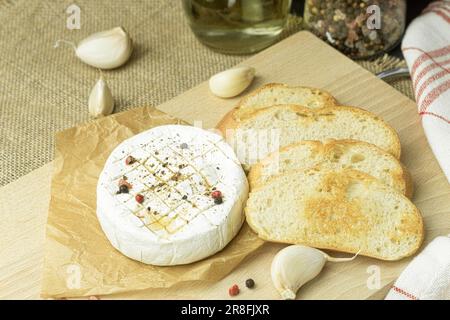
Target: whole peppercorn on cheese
{"points": [[178, 201]]}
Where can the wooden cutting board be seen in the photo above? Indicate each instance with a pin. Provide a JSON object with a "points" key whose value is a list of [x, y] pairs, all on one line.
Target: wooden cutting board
{"points": [[299, 60]]}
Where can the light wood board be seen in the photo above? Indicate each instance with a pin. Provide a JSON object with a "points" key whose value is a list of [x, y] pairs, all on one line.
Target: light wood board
{"points": [[299, 60]]}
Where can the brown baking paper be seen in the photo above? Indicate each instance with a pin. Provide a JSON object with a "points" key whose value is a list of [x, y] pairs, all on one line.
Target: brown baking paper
{"points": [[79, 260]]}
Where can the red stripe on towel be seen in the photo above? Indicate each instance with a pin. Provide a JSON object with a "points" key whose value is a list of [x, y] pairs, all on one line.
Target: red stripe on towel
{"points": [[429, 81], [437, 5], [403, 292], [427, 69], [434, 94], [426, 56], [434, 115], [441, 14]]}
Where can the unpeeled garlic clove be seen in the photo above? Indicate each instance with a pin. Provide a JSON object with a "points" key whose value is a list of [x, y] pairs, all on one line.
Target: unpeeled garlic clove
{"points": [[101, 102], [231, 82], [295, 265], [105, 50]]}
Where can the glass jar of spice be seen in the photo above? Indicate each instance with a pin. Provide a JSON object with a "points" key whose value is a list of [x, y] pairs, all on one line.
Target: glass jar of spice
{"points": [[358, 28]]}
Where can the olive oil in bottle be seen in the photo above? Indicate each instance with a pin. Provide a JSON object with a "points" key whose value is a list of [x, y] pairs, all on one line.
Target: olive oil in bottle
{"points": [[237, 26]]}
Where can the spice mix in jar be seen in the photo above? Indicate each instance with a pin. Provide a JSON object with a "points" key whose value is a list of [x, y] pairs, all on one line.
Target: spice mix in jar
{"points": [[358, 28]]}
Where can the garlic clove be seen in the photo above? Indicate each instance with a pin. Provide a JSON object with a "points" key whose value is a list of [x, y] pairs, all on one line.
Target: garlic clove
{"points": [[106, 49], [295, 265], [101, 102], [231, 82]]}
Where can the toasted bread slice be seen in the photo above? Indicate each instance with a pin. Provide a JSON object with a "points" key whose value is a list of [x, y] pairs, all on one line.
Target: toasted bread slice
{"points": [[344, 210], [277, 94], [334, 155], [293, 123]]}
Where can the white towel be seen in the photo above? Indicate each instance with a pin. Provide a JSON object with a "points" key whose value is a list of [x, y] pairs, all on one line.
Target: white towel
{"points": [[426, 47], [427, 277]]}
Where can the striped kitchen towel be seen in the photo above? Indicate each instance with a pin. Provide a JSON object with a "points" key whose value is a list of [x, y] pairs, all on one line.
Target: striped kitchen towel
{"points": [[427, 277], [426, 47]]}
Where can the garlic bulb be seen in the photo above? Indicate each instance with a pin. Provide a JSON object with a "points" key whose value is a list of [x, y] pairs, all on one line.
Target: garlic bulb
{"points": [[101, 102], [295, 265], [105, 50], [231, 82]]}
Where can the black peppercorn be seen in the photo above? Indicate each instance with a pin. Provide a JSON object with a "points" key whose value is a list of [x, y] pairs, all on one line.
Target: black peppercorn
{"points": [[250, 283], [123, 189], [218, 200]]}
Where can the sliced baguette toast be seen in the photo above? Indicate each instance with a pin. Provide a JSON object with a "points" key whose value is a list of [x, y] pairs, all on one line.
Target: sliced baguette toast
{"points": [[344, 210], [334, 155], [277, 94], [293, 124]]}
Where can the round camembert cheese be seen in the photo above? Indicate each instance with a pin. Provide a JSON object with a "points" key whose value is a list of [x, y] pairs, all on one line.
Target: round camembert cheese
{"points": [[156, 201]]}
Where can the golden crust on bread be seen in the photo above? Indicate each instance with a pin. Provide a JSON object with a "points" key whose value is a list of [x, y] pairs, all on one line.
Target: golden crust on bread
{"points": [[344, 210], [334, 154], [353, 123]]}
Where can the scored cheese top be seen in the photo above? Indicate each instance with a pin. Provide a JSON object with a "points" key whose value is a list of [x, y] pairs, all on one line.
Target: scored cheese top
{"points": [[175, 169]]}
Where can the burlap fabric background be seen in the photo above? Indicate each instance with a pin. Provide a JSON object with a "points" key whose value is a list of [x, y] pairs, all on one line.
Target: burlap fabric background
{"points": [[43, 90]]}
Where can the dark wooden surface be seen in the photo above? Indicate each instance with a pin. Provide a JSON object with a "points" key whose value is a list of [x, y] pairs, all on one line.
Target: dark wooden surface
{"points": [[415, 7]]}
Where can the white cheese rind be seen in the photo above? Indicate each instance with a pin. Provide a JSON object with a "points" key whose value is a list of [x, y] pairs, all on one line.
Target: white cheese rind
{"points": [[165, 171]]}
